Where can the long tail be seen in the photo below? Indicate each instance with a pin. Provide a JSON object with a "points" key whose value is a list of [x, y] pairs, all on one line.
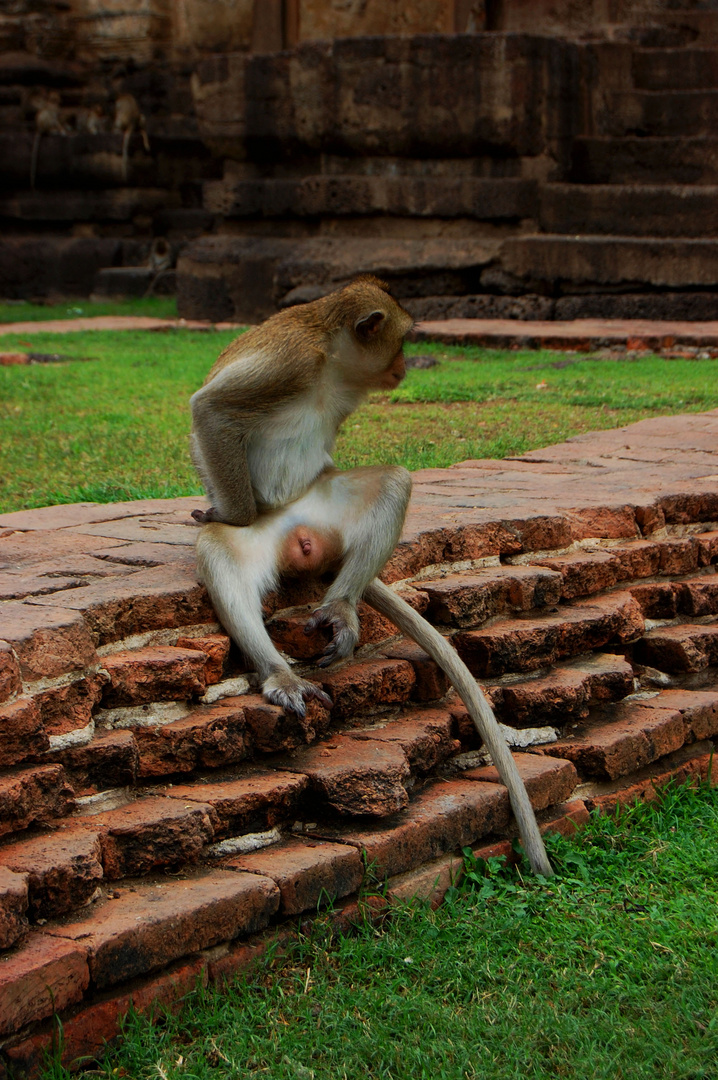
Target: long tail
{"points": [[423, 633]]}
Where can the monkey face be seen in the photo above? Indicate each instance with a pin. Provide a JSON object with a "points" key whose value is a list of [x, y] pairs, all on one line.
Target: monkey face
{"points": [[390, 379]]}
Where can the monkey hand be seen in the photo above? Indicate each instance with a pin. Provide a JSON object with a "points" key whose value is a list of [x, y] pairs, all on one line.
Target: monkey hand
{"points": [[342, 616], [291, 693]]}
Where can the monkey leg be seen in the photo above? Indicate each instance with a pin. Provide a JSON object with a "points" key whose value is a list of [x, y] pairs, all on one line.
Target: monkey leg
{"points": [[371, 504]]}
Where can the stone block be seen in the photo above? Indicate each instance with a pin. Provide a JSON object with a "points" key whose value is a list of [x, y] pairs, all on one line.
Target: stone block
{"points": [[369, 685], [43, 976], [47, 642], [253, 802], [355, 777], [210, 736], [21, 731], [156, 673], [38, 793], [63, 869]]}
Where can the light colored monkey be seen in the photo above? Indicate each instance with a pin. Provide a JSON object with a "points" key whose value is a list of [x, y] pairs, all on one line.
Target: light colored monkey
{"points": [[264, 425], [48, 121], [129, 119]]}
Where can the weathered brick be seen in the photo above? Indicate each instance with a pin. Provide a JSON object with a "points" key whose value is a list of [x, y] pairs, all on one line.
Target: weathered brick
{"points": [[251, 803], [369, 685], [157, 673], [467, 599], [430, 882], [699, 709], [13, 907], [210, 736], [10, 681], [679, 648], [565, 819], [679, 555], [627, 738], [430, 681], [512, 645], [21, 731], [692, 764], [425, 736], [110, 759], [150, 833], [657, 599], [39, 793], [44, 976], [355, 777], [271, 729], [68, 708], [63, 869], [639, 559], [307, 872], [547, 780], [707, 548], [582, 574], [47, 641], [286, 630], [148, 926], [698, 597], [444, 817], [216, 649]]}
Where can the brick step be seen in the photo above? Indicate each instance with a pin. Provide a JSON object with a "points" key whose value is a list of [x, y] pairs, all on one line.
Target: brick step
{"points": [[659, 112], [629, 210], [681, 649], [702, 25], [483, 199], [675, 69], [667, 600], [516, 645], [602, 159], [563, 262], [617, 740], [114, 205]]}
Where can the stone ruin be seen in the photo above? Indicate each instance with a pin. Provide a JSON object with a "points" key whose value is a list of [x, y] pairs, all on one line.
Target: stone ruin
{"points": [[161, 823], [494, 158]]}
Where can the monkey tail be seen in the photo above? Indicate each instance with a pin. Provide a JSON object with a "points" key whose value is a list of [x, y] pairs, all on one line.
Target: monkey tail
{"points": [[33, 159], [145, 136], [387, 603]]}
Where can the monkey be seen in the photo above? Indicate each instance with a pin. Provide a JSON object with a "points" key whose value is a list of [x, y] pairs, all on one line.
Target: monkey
{"points": [[158, 260], [128, 118], [90, 121], [48, 121], [263, 426]]}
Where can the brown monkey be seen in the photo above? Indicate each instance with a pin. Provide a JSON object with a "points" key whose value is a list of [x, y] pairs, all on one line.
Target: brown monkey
{"points": [[264, 424], [90, 121], [128, 118], [48, 121]]}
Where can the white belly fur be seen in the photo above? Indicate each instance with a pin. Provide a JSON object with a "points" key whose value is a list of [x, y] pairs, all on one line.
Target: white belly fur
{"points": [[289, 455]]}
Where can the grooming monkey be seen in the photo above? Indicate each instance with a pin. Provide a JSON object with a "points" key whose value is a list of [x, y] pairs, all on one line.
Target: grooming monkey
{"points": [[263, 427], [128, 118], [48, 121]]}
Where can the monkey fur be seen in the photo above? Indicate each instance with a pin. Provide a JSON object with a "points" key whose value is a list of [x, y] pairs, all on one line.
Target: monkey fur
{"points": [[48, 121], [263, 427], [128, 118]]}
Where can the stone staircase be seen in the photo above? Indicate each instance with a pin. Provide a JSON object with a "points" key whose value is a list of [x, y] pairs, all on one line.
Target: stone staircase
{"points": [[160, 822]]}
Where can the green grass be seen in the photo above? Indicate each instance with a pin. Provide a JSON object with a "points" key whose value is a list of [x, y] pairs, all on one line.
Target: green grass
{"points": [[161, 307], [115, 426], [607, 972]]}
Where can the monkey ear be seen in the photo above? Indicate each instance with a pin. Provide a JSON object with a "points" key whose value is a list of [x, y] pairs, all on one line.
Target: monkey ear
{"points": [[368, 326]]}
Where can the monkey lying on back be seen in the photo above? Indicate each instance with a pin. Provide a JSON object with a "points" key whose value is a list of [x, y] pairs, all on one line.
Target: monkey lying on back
{"points": [[263, 427]]}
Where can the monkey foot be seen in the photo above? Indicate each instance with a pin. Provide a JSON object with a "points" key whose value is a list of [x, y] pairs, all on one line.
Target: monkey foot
{"points": [[203, 517], [291, 693], [341, 616]]}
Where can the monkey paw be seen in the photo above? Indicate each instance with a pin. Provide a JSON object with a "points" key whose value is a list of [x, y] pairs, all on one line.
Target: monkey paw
{"points": [[203, 517], [344, 621], [291, 693]]}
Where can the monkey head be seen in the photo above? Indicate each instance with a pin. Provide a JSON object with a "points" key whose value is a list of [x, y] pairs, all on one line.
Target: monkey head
{"points": [[370, 330]]}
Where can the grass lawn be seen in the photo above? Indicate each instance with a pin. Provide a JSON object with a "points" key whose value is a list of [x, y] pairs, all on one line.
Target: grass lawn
{"points": [[160, 307], [112, 422], [607, 972]]}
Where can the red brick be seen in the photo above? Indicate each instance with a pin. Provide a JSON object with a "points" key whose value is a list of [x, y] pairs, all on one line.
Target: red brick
{"points": [[679, 648], [699, 709], [20, 550], [369, 685], [699, 597], [157, 673], [679, 556], [286, 630], [606, 522], [47, 642], [216, 649], [707, 548], [374, 628], [13, 906], [39, 793], [512, 645], [430, 681], [251, 803], [270, 728], [21, 731], [425, 737], [690, 765], [307, 872], [111, 759], [584, 573], [565, 819], [43, 976], [10, 682], [657, 599], [639, 559], [148, 926], [152, 599], [63, 868], [243, 957], [685, 509], [150, 833], [444, 817], [629, 737], [211, 736], [355, 777], [429, 883], [68, 708], [467, 599], [547, 780]]}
